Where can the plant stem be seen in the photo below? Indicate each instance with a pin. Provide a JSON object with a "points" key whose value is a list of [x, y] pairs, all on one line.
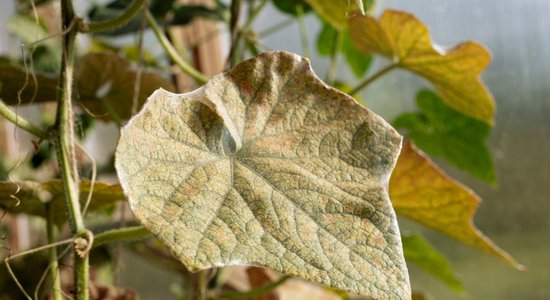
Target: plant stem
{"points": [[274, 28], [20, 122], [128, 233], [257, 291], [64, 144], [333, 67], [173, 53], [303, 30], [52, 256], [202, 284], [234, 31], [372, 78], [114, 23]]}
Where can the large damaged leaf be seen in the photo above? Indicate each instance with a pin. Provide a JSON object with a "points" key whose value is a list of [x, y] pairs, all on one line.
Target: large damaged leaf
{"points": [[267, 165], [30, 197], [455, 73], [420, 191]]}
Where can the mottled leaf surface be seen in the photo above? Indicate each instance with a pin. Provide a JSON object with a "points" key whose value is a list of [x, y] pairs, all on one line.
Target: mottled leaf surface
{"points": [[455, 73], [30, 197], [420, 191], [267, 165], [421, 253], [443, 132]]}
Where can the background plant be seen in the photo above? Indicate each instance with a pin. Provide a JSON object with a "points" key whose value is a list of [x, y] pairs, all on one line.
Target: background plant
{"points": [[432, 129]]}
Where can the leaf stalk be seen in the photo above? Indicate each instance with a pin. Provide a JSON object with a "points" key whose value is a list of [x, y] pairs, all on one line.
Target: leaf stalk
{"points": [[372, 78]]}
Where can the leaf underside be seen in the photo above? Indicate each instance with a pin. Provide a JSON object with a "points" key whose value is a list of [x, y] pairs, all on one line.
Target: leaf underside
{"points": [[303, 191]]}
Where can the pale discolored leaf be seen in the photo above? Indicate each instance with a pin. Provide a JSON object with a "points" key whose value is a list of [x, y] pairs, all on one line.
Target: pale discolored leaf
{"points": [[30, 197], [420, 191], [267, 165], [454, 73]]}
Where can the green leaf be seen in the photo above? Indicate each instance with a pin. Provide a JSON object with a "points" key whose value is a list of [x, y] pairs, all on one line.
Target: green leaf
{"points": [[422, 192], [358, 61], [267, 165], [454, 73], [289, 6], [440, 131], [326, 39], [106, 85], [418, 251], [30, 197]]}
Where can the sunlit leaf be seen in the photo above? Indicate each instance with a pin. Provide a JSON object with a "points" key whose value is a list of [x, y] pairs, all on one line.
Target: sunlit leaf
{"points": [[335, 12], [441, 131], [30, 197], [267, 165], [455, 73], [418, 251], [422, 192]]}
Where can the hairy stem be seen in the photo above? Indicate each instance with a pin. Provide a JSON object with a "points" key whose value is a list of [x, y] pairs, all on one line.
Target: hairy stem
{"points": [[64, 144], [52, 256], [122, 234], [114, 23], [372, 78], [257, 291], [20, 122], [173, 53]]}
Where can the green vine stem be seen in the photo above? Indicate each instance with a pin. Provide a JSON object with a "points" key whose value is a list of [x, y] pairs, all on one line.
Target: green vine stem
{"points": [[64, 144], [257, 291], [122, 234], [52, 256], [20, 122], [303, 30], [333, 66], [173, 53], [372, 78], [114, 23], [234, 32]]}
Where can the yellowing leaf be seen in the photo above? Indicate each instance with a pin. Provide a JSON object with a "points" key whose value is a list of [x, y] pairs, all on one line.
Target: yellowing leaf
{"points": [[30, 197], [336, 12], [420, 191], [455, 73], [267, 165]]}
